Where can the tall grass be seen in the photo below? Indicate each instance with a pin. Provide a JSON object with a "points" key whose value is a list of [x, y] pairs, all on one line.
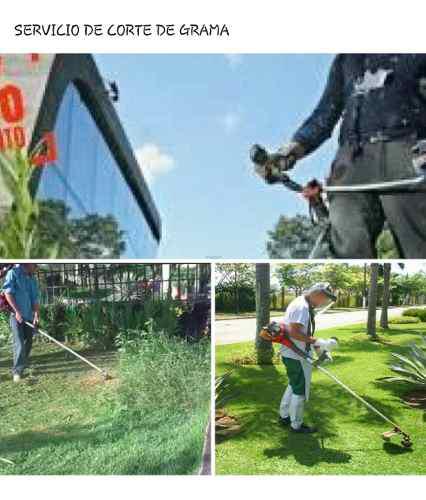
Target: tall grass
{"points": [[165, 377], [5, 333]]}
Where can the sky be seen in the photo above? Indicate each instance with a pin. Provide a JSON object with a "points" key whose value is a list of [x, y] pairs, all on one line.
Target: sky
{"points": [[192, 119]]}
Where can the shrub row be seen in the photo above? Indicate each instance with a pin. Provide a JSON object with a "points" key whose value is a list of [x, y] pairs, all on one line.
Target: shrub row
{"points": [[416, 312], [404, 320]]}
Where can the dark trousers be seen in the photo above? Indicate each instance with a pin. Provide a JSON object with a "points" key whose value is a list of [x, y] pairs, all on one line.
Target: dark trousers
{"points": [[358, 219], [22, 344]]}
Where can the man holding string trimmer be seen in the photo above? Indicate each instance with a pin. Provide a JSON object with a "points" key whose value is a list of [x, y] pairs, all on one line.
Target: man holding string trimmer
{"points": [[21, 293], [296, 344], [380, 101]]}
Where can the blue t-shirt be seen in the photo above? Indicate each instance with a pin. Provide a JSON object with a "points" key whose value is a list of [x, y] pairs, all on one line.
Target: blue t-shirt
{"points": [[24, 289]]}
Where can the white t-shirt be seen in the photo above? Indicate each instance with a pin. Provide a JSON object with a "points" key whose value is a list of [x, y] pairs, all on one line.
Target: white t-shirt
{"points": [[297, 312]]}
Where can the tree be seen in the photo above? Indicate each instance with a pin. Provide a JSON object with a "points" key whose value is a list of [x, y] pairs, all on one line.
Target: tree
{"points": [[264, 349], [293, 238], [386, 295], [297, 277], [372, 301], [235, 287]]}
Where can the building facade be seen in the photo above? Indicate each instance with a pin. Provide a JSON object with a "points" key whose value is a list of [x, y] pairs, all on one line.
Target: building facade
{"points": [[90, 186]]}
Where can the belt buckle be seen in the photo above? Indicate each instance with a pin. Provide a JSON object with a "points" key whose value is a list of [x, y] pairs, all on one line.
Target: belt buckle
{"points": [[378, 137]]}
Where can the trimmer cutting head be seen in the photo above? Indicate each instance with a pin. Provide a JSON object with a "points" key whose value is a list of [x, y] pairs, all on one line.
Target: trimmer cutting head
{"points": [[406, 440], [106, 376]]}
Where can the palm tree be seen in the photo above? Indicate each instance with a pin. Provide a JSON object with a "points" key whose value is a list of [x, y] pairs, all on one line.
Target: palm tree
{"points": [[384, 323], [372, 301], [264, 350]]}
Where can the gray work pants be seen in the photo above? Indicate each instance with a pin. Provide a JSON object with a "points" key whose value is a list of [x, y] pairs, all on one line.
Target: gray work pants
{"points": [[357, 219]]}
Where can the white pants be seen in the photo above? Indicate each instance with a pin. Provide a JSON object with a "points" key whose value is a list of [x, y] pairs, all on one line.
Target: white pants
{"points": [[292, 406]]}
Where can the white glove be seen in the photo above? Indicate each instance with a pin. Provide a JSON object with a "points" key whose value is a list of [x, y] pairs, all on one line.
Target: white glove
{"points": [[323, 347]]}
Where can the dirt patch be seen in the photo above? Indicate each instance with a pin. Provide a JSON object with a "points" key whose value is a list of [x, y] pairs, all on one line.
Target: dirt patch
{"points": [[416, 399], [94, 379]]}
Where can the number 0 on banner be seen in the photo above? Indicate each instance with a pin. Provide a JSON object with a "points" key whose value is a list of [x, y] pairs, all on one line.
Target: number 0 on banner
{"points": [[13, 136]]}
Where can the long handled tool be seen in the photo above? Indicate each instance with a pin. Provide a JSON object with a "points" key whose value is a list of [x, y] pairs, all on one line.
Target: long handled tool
{"points": [[63, 346], [396, 430], [275, 333]]}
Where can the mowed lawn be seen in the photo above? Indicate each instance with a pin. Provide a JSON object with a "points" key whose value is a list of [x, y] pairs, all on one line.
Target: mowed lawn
{"points": [[349, 440], [65, 419]]}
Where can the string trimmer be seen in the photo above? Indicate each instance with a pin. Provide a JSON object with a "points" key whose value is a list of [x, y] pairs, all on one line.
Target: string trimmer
{"points": [[277, 332], [275, 167], [104, 373]]}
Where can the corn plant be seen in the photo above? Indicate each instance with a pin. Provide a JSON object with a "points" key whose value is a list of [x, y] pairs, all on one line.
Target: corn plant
{"points": [[410, 368], [18, 226]]}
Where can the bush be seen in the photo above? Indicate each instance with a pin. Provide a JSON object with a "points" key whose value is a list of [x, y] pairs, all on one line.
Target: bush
{"points": [[416, 312], [104, 325], [404, 320], [411, 368]]}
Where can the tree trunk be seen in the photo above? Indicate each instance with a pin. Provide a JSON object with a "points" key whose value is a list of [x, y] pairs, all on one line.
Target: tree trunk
{"points": [[264, 349], [372, 301], [384, 323]]}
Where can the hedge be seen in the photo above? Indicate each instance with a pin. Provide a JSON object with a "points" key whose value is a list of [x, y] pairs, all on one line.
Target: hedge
{"points": [[404, 320]]}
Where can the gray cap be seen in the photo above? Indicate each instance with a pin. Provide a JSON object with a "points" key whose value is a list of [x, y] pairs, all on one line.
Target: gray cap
{"points": [[322, 287]]}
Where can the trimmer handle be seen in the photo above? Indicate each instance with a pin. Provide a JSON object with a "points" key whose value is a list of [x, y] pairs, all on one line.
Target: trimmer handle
{"points": [[275, 165]]}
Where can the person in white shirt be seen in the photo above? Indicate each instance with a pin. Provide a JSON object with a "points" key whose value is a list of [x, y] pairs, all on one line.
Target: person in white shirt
{"points": [[300, 324]]}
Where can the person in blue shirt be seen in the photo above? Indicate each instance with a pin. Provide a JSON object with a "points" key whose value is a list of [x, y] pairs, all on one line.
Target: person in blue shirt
{"points": [[21, 292]]}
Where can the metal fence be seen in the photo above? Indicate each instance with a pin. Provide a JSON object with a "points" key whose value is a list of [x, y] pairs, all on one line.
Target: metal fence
{"points": [[86, 282]]}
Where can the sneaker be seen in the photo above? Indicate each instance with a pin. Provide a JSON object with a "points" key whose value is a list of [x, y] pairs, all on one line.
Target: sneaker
{"points": [[17, 378], [305, 429], [284, 421]]}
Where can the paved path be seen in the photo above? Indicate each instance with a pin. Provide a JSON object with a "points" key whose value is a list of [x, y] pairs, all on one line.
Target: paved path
{"points": [[243, 330]]}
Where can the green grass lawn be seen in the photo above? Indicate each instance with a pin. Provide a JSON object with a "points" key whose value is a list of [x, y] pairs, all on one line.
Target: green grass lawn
{"points": [[66, 419], [349, 441]]}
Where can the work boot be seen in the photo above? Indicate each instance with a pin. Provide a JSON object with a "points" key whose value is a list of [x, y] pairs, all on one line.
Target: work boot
{"points": [[284, 421], [305, 429], [17, 378]]}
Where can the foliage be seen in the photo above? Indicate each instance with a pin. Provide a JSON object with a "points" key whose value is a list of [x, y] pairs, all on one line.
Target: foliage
{"points": [[411, 367], [92, 236], [296, 277], [222, 389], [4, 328], [103, 325], [295, 237], [292, 237], [416, 312], [19, 236], [235, 287], [162, 376], [44, 229], [386, 248], [404, 320]]}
